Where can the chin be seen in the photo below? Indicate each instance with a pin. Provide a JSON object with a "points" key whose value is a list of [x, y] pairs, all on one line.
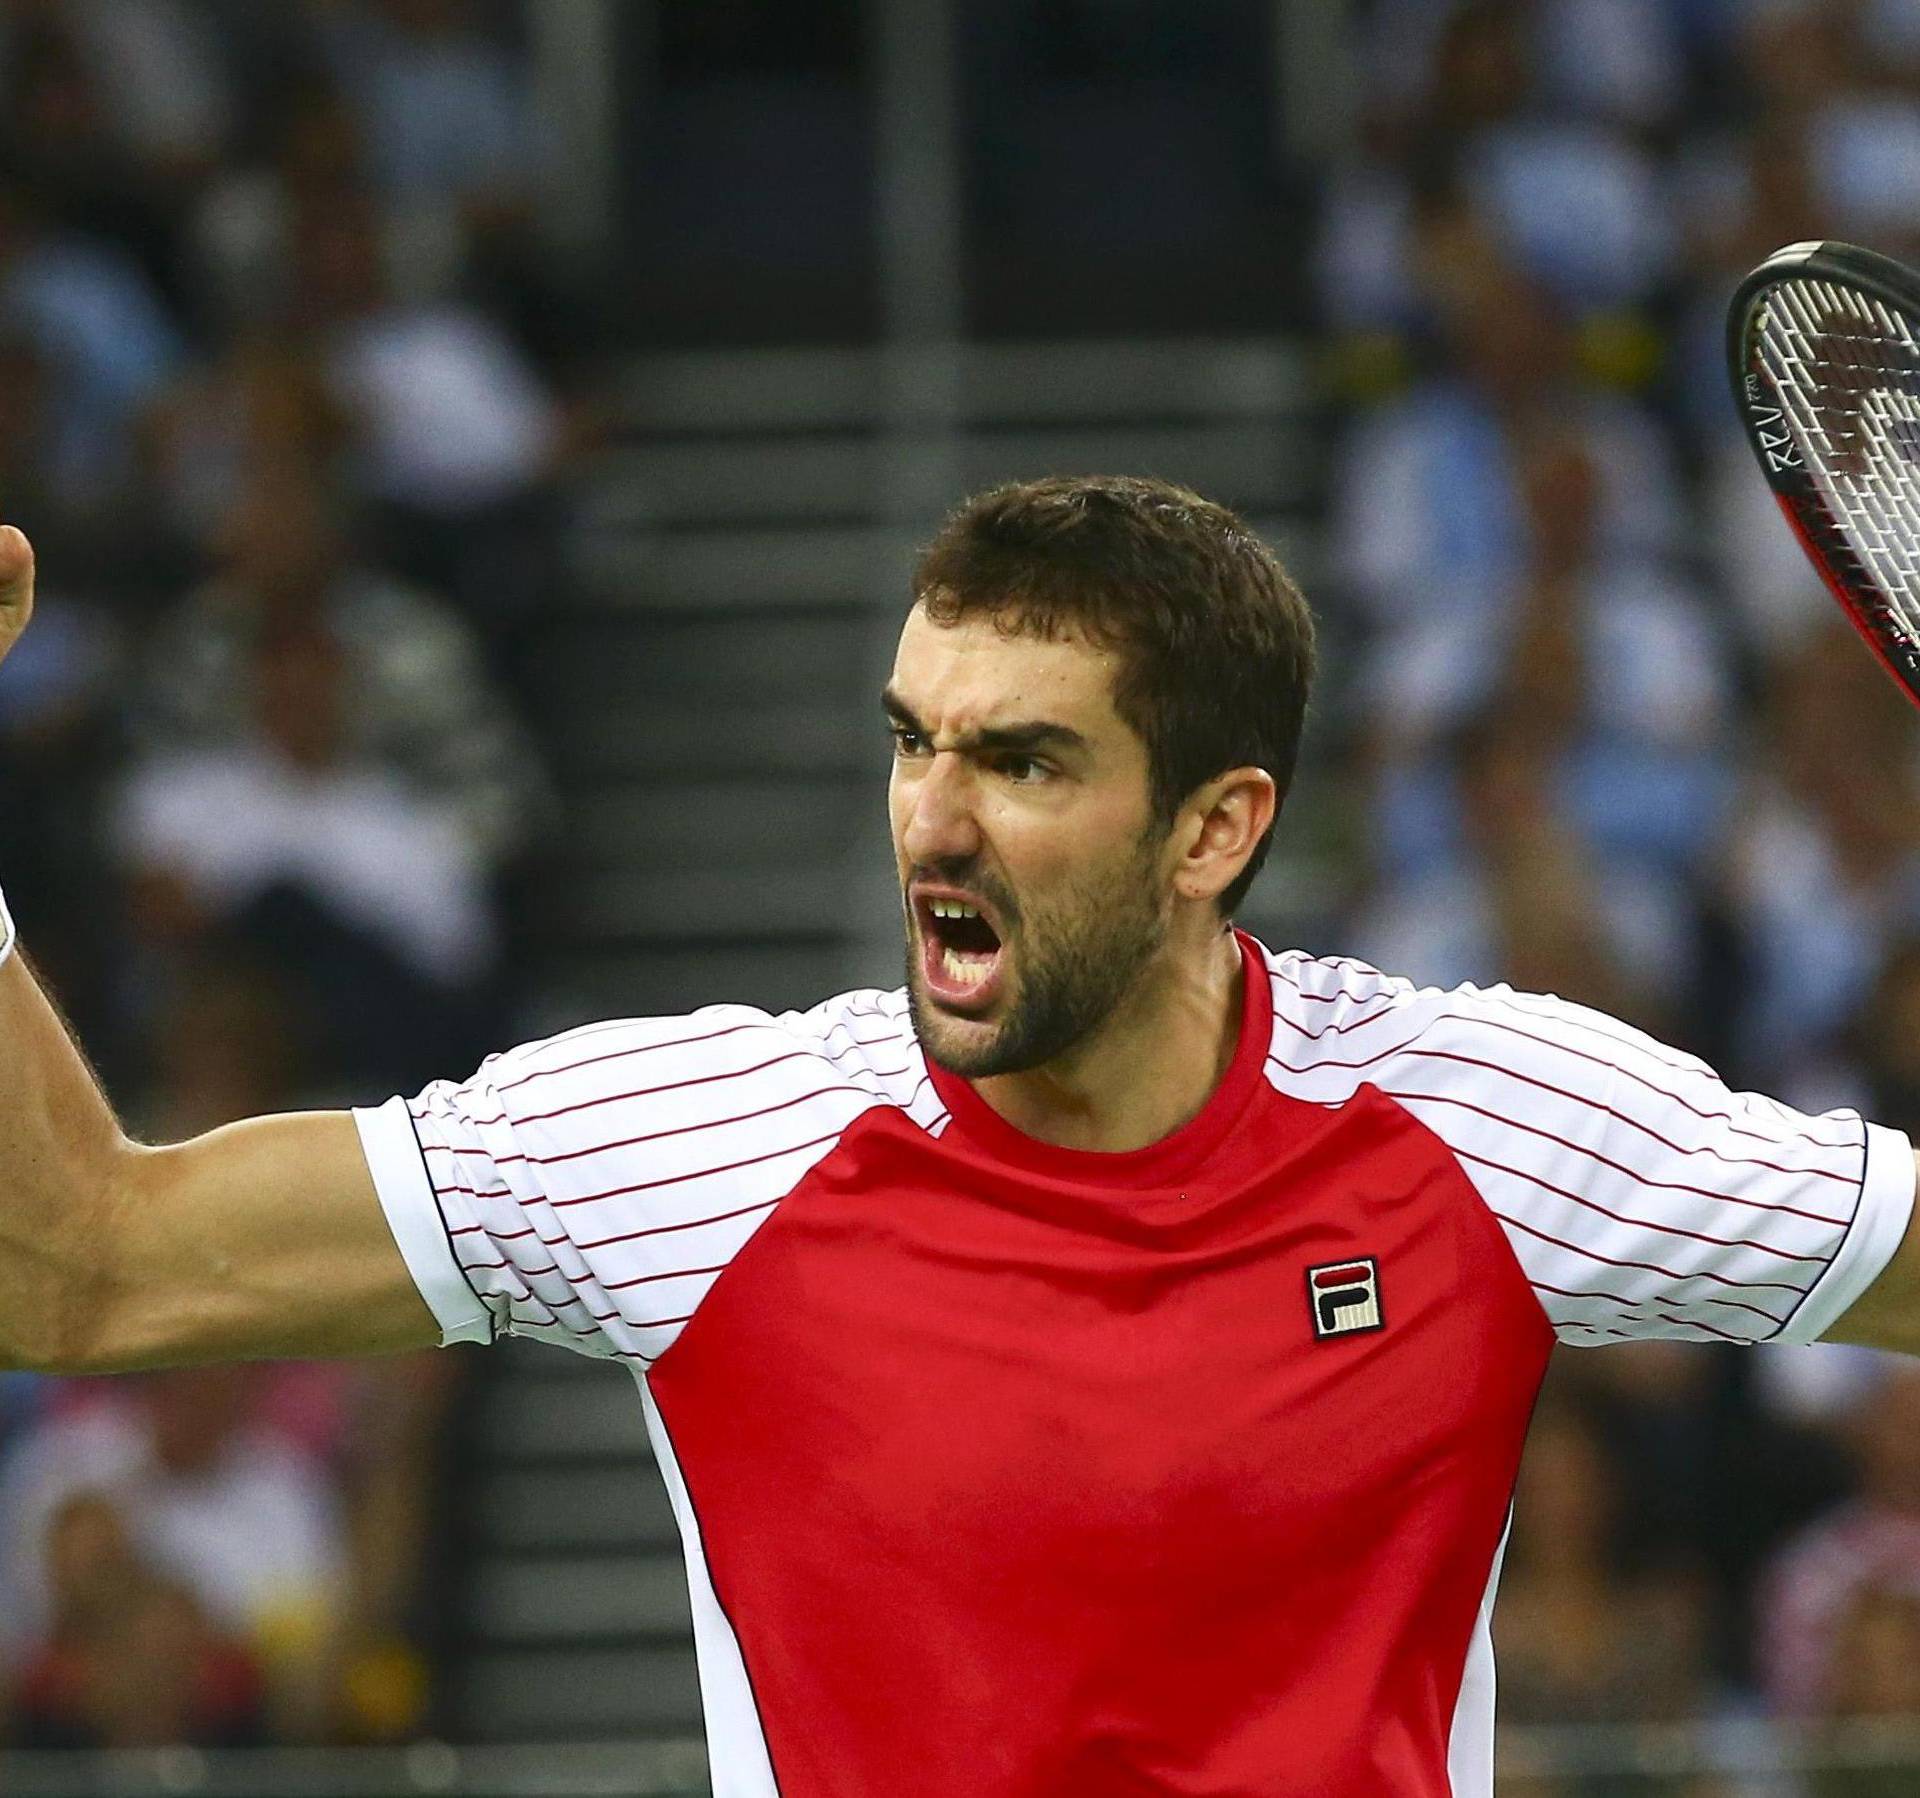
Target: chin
{"points": [[975, 1060], [969, 1047]]}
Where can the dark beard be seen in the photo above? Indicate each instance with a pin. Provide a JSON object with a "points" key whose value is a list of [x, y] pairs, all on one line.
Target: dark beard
{"points": [[1072, 976]]}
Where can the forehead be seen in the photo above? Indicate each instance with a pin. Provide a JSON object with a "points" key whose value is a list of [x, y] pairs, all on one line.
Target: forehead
{"points": [[975, 674]]}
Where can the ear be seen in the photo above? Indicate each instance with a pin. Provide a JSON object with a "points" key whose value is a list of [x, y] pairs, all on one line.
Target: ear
{"points": [[1219, 827]]}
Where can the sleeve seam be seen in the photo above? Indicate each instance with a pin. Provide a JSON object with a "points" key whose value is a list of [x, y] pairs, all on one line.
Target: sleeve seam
{"points": [[1839, 1248], [493, 1325]]}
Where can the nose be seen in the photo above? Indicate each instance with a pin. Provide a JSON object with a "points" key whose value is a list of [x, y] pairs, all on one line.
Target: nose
{"points": [[940, 824]]}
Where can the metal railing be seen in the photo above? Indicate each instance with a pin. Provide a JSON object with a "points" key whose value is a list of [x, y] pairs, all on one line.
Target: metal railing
{"points": [[1748, 1757], [676, 1769]]}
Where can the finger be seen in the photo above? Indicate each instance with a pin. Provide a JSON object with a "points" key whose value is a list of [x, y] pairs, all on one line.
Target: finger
{"points": [[16, 584]]}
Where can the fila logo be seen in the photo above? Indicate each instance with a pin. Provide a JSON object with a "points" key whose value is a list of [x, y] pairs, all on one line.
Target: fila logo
{"points": [[1344, 1298]]}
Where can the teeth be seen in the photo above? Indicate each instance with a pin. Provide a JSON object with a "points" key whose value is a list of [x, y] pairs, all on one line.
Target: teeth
{"points": [[951, 908], [969, 970]]}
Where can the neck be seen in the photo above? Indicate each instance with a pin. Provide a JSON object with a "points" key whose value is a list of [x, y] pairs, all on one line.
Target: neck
{"points": [[1151, 1068]]}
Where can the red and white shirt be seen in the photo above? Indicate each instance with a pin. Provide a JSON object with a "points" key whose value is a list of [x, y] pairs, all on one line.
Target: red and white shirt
{"points": [[1013, 1470]]}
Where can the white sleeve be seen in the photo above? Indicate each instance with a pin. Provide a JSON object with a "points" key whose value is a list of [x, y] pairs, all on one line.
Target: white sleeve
{"points": [[1642, 1197], [589, 1189]]}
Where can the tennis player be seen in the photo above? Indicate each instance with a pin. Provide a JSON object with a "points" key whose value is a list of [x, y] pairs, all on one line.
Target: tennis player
{"points": [[1096, 1368]]}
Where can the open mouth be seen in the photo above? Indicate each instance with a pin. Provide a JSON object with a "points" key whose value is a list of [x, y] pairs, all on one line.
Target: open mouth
{"points": [[961, 951]]}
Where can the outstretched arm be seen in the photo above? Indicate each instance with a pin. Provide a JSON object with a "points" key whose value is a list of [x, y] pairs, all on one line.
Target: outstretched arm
{"points": [[262, 1238]]}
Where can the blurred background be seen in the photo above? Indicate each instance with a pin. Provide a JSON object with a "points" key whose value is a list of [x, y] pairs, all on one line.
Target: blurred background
{"points": [[475, 450]]}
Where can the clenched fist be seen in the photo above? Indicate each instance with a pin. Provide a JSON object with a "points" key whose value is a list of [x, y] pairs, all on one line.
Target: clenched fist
{"points": [[16, 586]]}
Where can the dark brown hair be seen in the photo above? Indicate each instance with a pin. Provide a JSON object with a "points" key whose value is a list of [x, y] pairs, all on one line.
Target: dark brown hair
{"points": [[1215, 640]]}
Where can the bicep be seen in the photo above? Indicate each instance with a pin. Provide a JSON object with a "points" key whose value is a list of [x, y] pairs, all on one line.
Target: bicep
{"points": [[1887, 1314], [263, 1238]]}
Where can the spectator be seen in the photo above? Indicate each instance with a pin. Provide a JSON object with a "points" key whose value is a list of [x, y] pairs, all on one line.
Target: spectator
{"points": [[1428, 502], [1875, 1678], [443, 106], [1825, 867], [1511, 106], [456, 436], [260, 412], [1581, 1636], [151, 74], [237, 1520], [370, 894], [114, 112], [1869, 1546], [416, 702], [228, 334], [1556, 844], [1885, 1040], [236, 1041], [130, 1659], [245, 223], [1523, 899], [99, 328], [1609, 653]]}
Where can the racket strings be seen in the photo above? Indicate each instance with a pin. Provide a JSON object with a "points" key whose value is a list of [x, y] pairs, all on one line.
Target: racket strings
{"points": [[1845, 371]]}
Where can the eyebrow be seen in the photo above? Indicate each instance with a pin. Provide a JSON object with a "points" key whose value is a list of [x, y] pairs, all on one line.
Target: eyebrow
{"points": [[1021, 738]]}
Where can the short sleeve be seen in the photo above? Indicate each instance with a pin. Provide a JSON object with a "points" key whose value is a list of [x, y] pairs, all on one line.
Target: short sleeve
{"points": [[589, 1189], [1640, 1194]]}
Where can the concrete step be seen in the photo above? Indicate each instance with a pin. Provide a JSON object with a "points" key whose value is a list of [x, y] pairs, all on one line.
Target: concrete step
{"points": [[580, 1598], [619, 1508], [630, 669], [758, 824], [811, 389], [531, 1694], [643, 979], [524, 1421], [807, 477], [669, 905], [685, 739], [733, 567], [748, 390], [1240, 462]]}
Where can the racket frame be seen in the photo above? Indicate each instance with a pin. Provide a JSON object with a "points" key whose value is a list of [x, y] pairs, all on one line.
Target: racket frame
{"points": [[1894, 643]]}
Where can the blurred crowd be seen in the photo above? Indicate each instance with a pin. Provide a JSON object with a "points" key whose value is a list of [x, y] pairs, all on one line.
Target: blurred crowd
{"points": [[283, 407], [1618, 745], [287, 404]]}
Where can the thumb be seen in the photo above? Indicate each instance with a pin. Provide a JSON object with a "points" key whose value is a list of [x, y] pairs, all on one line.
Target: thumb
{"points": [[16, 585]]}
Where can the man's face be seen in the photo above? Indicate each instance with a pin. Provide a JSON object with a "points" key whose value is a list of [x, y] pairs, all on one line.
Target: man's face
{"points": [[1030, 860]]}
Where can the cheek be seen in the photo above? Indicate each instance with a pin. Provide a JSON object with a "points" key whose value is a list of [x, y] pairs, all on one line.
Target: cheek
{"points": [[897, 811], [1061, 873]]}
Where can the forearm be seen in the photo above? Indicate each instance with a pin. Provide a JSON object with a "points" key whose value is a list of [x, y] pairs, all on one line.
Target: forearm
{"points": [[62, 1152]]}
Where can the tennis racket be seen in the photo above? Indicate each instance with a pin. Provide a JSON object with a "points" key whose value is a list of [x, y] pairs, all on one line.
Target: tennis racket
{"points": [[1824, 345]]}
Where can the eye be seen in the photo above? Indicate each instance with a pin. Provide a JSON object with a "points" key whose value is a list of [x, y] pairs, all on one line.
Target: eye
{"points": [[907, 742], [1023, 770]]}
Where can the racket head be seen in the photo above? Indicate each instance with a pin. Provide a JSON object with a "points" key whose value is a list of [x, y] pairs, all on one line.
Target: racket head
{"points": [[1823, 346]]}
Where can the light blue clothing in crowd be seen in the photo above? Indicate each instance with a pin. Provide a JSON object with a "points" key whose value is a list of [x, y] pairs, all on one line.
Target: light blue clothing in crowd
{"points": [[95, 319]]}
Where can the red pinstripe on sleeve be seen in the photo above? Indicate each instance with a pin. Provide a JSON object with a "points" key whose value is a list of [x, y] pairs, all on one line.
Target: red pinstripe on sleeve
{"points": [[592, 1187], [1641, 1195]]}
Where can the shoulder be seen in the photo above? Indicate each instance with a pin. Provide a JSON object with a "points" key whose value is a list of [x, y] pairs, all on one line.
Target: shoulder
{"points": [[1334, 1016], [861, 1040], [594, 1184], [868, 1036], [1340, 1023]]}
